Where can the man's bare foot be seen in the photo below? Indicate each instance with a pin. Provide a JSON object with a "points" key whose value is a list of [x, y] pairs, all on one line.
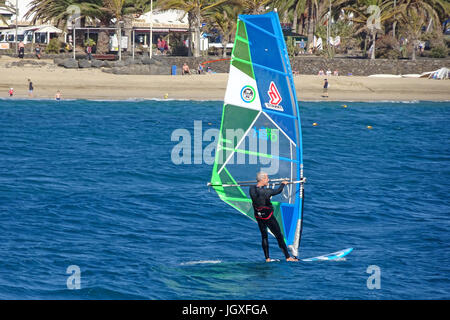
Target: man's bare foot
{"points": [[291, 259]]}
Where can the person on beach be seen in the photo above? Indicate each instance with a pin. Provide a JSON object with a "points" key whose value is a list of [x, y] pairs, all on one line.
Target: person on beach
{"points": [[89, 52], [11, 92], [166, 47], [325, 88], [37, 51], [160, 45], [200, 68], [185, 69], [263, 211], [30, 88], [302, 46], [21, 47], [58, 95], [163, 46]]}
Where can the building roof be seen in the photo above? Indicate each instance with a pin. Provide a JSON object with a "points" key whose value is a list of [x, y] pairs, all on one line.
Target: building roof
{"points": [[48, 28], [170, 19]]}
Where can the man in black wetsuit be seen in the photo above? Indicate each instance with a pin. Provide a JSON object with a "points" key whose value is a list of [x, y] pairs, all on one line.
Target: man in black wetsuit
{"points": [[263, 210]]}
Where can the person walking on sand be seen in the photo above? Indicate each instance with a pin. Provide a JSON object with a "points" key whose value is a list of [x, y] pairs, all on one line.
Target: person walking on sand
{"points": [[11, 92], [30, 88], [325, 89], [58, 95]]}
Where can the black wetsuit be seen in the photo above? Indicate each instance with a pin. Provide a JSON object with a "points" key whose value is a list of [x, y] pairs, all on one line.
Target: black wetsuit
{"points": [[263, 210]]}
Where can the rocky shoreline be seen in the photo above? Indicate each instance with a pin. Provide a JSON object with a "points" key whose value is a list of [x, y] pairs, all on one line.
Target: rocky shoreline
{"points": [[163, 65]]}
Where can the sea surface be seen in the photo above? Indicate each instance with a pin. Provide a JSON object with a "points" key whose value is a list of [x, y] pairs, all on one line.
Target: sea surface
{"points": [[92, 205]]}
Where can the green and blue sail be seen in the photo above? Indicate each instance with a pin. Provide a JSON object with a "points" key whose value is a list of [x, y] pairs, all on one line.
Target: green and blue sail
{"points": [[260, 129]]}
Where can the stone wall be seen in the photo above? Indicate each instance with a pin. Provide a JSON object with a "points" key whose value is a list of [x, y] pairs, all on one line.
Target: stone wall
{"points": [[312, 65], [365, 67], [302, 64]]}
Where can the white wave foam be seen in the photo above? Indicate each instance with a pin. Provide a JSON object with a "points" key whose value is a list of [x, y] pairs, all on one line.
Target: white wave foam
{"points": [[190, 263]]}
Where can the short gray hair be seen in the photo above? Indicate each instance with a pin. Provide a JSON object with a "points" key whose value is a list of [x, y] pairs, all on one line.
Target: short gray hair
{"points": [[260, 175]]}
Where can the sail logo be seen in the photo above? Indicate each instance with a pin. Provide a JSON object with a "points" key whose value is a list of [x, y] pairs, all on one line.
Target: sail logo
{"points": [[248, 94], [265, 133], [275, 98]]}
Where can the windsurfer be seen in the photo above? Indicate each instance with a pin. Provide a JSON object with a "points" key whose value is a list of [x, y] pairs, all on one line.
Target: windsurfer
{"points": [[263, 210]]}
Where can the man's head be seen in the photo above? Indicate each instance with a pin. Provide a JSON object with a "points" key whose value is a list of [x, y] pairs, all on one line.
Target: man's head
{"points": [[262, 178]]}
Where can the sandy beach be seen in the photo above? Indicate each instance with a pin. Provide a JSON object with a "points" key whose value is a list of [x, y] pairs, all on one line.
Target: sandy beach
{"points": [[94, 84]]}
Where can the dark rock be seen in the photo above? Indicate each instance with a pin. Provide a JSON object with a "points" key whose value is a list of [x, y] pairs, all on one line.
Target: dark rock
{"points": [[108, 64], [128, 61], [97, 63], [84, 63], [59, 61], [70, 64], [118, 64]]}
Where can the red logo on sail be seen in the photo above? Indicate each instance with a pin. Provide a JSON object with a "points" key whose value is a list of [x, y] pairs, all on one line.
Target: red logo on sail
{"points": [[275, 98], [274, 95]]}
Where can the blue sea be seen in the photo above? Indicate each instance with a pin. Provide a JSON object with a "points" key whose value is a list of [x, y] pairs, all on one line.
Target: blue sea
{"points": [[93, 207]]}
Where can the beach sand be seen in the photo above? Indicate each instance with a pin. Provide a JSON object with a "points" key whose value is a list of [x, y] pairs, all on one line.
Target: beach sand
{"points": [[94, 84]]}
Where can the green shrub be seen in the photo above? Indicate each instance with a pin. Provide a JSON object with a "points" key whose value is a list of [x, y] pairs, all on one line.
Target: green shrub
{"points": [[387, 47], [53, 46], [292, 49], [89, 42], [438, 52]]}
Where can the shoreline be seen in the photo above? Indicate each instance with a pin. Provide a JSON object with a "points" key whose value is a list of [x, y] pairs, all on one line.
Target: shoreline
{"points": [[93, 84], [5, 98]]}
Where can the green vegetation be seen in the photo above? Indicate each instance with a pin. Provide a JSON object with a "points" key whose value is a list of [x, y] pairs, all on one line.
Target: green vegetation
{"points": [[54, 46], [89, 42], [439, 52], [396, 27]]}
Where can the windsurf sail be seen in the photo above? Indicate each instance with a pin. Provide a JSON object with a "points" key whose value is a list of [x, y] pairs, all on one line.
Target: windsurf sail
{"points": [[260, 128]]}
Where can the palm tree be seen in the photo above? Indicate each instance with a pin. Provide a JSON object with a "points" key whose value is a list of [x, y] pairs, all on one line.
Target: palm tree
{"points": [[254, 6], [102, 10], [415, 15], [224, 18], [371, 15], [291, 10], [8, 7], [59, 12], [115, 9], [195, 10]]}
